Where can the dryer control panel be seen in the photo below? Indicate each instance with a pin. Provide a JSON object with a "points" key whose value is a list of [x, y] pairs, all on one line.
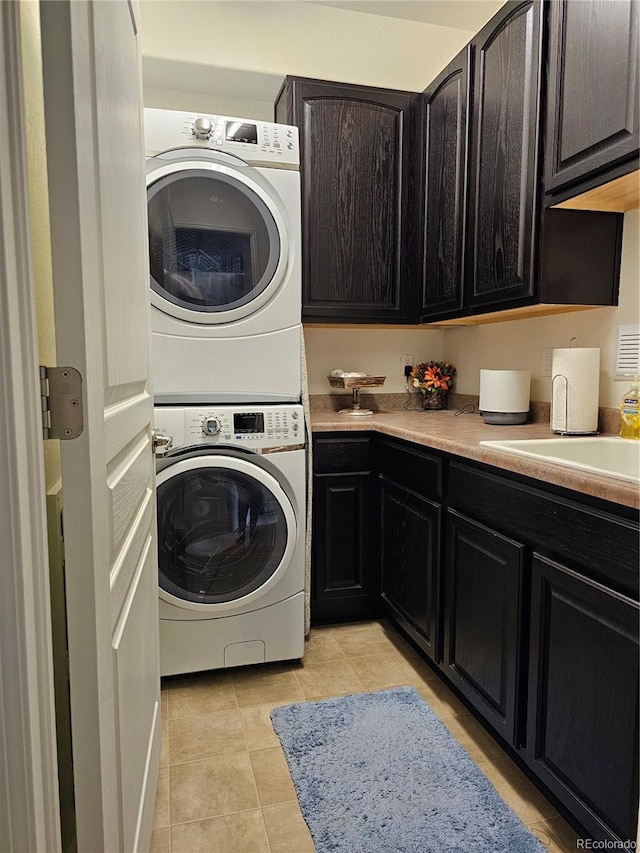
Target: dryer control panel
{"points": [[257, 428], [259, 143]]}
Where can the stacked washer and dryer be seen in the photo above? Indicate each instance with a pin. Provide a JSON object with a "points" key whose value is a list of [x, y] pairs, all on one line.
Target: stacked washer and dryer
{"points": [[225, 262]]}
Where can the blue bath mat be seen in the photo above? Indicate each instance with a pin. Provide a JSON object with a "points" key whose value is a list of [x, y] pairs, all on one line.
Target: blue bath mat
{"points": [[380, 773]]}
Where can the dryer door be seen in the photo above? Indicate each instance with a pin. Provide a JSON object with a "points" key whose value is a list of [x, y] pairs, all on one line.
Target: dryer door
{"points": [[218, 245], [226, 532]]}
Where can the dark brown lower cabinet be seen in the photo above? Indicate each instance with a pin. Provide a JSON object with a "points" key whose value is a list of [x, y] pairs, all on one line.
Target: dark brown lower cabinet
{"points": [[482, 621], [582, 730], [344, 587], [525, 597], [410, 554]]}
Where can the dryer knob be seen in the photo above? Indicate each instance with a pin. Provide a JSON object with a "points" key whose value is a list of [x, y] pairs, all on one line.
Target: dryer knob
{"points": [[211, 426], [202, 128]]}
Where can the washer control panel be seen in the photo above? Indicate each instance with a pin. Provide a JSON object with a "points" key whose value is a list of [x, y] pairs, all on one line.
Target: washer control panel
{"points": [[253, 427], [253, 140]]}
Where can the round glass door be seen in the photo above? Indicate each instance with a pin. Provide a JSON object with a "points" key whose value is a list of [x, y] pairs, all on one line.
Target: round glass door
{"points": [[216, 242], [225, 530]]}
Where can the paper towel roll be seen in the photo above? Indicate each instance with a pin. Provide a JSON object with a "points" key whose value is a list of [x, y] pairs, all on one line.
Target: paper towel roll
{"points": [[575, 389]]}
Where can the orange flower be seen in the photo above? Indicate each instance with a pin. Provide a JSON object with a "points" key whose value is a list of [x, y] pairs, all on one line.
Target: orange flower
{"points": [[433, 376]]}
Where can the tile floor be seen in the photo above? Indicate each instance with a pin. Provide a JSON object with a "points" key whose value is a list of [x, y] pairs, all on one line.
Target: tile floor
{"points": [[224, 783]]}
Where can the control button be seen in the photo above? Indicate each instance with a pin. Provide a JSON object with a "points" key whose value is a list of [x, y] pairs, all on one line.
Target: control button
{"points": [[289, 145], [289, 133], [202, 128], [211, 426], [294, 415], [296, 427]]}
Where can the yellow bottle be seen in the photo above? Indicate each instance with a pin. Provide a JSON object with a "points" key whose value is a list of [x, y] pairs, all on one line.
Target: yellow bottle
{"points": [[629, 413]]}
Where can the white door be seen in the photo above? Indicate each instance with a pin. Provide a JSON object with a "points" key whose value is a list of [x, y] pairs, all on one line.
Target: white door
{"points": [[93, 127]]}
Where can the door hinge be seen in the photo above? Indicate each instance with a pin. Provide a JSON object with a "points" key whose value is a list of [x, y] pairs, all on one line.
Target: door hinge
{"points": [[61, 397]]}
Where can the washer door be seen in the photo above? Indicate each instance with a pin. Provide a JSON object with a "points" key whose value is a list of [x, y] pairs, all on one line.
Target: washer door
{"points": [[218, 244], [226, 532]]}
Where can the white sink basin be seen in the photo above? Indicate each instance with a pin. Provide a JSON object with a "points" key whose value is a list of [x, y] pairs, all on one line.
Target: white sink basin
{"points": [[607, 456]]}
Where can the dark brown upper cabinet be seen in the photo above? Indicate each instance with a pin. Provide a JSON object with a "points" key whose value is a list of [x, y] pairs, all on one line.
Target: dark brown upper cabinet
{"points": [[355, 177], [445, 112], [488, 245], [592, 107], [504, 156]]}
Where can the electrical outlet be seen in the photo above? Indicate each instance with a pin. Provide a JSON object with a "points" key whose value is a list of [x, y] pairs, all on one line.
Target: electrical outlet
{"points": [[545, 368], [405, 359]]}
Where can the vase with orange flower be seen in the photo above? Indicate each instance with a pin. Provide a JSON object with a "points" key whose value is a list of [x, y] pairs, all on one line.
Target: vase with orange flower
{"points": [[434, 380]]}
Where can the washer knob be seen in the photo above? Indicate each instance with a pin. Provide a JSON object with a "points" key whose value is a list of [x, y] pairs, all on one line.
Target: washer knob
{"points": [[202, 127], [211, 426]]}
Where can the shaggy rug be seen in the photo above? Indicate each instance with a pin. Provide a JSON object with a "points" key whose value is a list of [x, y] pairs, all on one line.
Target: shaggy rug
{"points": [[379, 773]]}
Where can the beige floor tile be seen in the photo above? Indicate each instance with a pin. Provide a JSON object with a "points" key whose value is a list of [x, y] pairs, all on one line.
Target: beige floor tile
{"points": [[257, 727], [162, 814], [212, 787], [272, 776], [390, 669], [517, 791], [237, 833], [321, 646], [365, 638], [475, 739], [164, 700], [191, 738], [164, 748], [287, 830], [556, 835], [201, 694], [331, 677], [265, 684], [442, 700], [161, 840]]}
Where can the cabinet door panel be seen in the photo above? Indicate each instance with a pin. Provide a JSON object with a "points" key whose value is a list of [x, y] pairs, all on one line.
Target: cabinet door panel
{"points": [[342, 581], [506, 113], [355, 174], [482, 619], [593, 114], [582, 733], [352, 159], [410, 529], [445, 116]]}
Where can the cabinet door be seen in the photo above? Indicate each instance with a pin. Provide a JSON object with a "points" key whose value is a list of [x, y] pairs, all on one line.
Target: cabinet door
{"points": [[592, 109], [482, 623], [410, 529], [582, 729], [445, 117], [355, 173], [343, 583], [504, 157]]}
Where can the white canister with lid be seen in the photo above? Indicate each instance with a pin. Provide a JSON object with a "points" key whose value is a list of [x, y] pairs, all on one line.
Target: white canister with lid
{"points": [[504, 396]]}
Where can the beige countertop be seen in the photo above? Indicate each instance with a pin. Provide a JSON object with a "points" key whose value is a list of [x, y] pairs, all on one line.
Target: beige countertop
{"points": [[461, 434]]}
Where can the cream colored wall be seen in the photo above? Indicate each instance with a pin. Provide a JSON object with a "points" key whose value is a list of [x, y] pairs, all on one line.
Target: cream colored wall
{"points": [[39, 206], [373, 351], [518, 344], [300, 39], [207, 102]]}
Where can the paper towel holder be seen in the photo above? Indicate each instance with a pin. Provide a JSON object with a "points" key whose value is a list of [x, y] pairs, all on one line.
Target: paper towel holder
{"points": [[566, 431]]}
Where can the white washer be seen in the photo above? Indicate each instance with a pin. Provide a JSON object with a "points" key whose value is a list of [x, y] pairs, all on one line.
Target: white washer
{"points": [[231, 536], [225, 258]]}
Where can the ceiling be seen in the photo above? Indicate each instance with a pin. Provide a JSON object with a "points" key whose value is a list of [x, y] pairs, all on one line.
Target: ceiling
{"points": [[459, 14]]}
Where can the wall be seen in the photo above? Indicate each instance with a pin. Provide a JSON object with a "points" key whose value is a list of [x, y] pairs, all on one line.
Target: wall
{"points": [[298, 38], [39, 207], [518, 344], [373, 351]]}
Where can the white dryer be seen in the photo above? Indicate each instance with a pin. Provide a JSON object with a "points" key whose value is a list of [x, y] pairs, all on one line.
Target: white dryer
{"points": [[231, 536], [225, 258]]}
